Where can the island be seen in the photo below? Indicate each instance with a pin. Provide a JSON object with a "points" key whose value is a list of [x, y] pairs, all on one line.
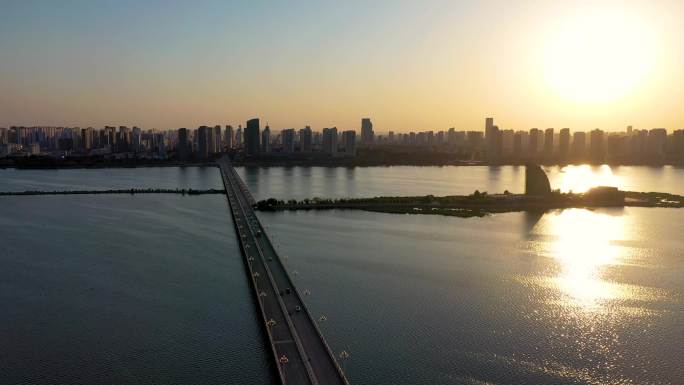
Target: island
{"points": [[538, 196]]}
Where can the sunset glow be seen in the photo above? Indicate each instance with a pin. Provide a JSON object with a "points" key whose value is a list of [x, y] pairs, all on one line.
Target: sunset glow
{"points": [[601, 55]]}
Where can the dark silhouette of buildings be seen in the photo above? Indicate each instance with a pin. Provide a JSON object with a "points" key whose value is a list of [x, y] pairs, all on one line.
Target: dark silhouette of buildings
{"points": [[183, 144], [287, 138], [548, 142], [564, 144], [252, 137], [349, 142], [330, 141], [266, 140], [596, 146], [367, 134], [305, 139], [203, 142]]}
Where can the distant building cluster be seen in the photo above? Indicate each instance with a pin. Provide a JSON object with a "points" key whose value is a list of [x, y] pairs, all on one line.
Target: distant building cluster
{"points": [[185, 144], [60, 141], [497, 145], [252, 141], [597, 146], [492, 144]]}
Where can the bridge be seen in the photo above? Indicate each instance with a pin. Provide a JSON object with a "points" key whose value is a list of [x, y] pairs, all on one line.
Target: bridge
{"points": [[300, 353]]}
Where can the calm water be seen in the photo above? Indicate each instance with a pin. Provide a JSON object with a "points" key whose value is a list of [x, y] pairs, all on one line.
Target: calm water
{"points": [[124, 290], [110, 178], [326, 182], [151, 289]]}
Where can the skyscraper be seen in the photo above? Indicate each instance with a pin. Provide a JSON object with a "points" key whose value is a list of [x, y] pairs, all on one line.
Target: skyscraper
{"points": [[349, 142], [534, 141], [330, 140], [239, 137], [367, 135], [579, 145], [210, 140], [287, 137], [517, 143], [230, 137], [203, 142], [564, 143], [252, 137], [183, 145], [596, 146], [266, 140], [657, 140], [489, 128], [493, 140], [548, 142], [305, 139], [217, 140]]}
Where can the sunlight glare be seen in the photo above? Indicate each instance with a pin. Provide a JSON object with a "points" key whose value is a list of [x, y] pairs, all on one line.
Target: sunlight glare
{"points": [[598, 56], [579, 179], [584, 249]]}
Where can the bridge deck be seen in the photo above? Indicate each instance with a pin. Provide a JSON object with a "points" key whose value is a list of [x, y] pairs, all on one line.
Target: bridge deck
{"points": [[294, 334]]}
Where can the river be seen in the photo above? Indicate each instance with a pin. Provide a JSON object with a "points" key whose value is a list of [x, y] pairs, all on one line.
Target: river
{"points": [[151, 289]]}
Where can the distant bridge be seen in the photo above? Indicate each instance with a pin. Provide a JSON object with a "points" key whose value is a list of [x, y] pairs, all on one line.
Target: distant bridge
{"points": [[301, 354]]}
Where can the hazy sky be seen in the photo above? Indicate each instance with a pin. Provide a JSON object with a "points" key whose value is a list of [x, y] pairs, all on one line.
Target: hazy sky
{"points": [[409, 65]]}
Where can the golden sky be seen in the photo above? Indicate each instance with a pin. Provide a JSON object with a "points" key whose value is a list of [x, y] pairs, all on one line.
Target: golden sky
{"points": [[411, 65]]}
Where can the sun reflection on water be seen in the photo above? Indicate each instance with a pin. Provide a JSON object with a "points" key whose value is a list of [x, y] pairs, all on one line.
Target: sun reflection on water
{"points": [[584, 250], [581, 178]]}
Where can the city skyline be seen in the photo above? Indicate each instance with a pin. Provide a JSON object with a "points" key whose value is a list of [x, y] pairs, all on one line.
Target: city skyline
{"points": [[411, 66]]}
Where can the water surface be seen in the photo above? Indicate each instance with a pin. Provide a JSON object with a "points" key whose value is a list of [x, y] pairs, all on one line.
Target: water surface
{"points": [[151, 289], [124, 290], [339, 182]]}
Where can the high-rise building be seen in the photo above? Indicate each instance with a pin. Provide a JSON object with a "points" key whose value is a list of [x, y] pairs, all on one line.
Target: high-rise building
{"points": [[252, 137], [230, 137], [239, 137], [489, 127], [216, 140], [210, 140], [183, 147], [548, 142], [638, 143], [136, 139], [579, 145], [534, 142], [678, 145], [518, 144], [330, 140], [287, 137], [203, 142], [367, 135], [87, 138], [349, 142], [305, 139], [596, 146], [475, 139], [564, 143], [266, 140], [493, 140], [657, 141], [507, 140]]}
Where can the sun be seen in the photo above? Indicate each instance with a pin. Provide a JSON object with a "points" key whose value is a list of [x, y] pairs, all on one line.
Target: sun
{"points": [[598, 56]]}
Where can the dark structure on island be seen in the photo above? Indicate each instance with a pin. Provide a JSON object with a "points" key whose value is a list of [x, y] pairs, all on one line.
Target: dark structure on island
{"points": [[536, 181]]}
